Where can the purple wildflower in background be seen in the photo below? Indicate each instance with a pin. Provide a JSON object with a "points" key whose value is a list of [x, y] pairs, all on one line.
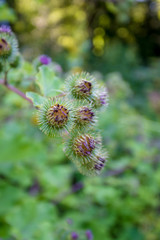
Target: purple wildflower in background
{"points": [[89, 235], [57, 67], [77, 186], [44, 59], [69, 221], [74, 236], [5, 29]]}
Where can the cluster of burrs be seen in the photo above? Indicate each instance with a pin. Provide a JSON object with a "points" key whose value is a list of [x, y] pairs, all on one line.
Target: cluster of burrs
{"points": [[74, 116]]}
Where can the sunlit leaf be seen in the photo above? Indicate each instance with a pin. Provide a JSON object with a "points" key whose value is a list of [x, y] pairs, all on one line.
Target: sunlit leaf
{"points": [[36, 98], [48, 82]]}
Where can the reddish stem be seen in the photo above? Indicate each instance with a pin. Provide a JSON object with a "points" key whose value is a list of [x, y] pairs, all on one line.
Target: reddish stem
{"points": [[13, 89]]}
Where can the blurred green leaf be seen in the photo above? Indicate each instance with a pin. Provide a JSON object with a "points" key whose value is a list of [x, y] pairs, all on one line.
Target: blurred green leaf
{"points": [[36, 98], [7, 14], [50, 85]]}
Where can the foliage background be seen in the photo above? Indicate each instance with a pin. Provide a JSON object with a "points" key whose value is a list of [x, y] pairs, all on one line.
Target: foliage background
{"points": [[40, 190]]}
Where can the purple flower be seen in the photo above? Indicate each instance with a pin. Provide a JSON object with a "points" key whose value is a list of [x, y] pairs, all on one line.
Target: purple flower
{"points": [[69, 221], [89, 235], [57, 68], [77, 186], [74, 236], [44, 59], [5, 29]]}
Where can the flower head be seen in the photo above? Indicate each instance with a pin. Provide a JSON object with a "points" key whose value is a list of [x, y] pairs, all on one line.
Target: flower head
{"points": [[57, 115], [85, 115], [54, 116], [8, 45], [45, 60], [81, 86], [80, 147]]}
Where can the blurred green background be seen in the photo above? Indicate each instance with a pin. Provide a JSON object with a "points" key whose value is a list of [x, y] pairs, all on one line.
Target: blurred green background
{"points": [[42, 195]]}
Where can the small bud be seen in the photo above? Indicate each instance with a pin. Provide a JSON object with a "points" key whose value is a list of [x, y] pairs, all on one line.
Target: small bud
{"points": [[54, 116]]}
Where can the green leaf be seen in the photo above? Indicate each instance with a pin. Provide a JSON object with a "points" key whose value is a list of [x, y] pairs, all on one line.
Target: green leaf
{"points": [[36, 98], [49, 84], [7, 14]]}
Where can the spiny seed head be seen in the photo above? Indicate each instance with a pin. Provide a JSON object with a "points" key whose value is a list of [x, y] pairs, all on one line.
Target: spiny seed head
{"points": [[81, 86], [85, 114], [84, 145], [8, 45], [80, 146], [55, 116], [5, 48]]}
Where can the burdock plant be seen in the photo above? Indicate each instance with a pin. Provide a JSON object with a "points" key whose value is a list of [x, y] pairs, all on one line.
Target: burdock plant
{"points": [[55, 116], [84, 115], [8, 45], [67, 108]]}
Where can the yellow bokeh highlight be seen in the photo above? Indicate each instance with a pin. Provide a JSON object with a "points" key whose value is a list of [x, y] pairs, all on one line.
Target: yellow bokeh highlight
{"points": [[98, 52], [55, 16], [98, 41], [99, 31], [67, 42], [111, 7], [104, 21], [158, 8], [27, 6], [123, 32], [139, 13], [80, 15]]}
